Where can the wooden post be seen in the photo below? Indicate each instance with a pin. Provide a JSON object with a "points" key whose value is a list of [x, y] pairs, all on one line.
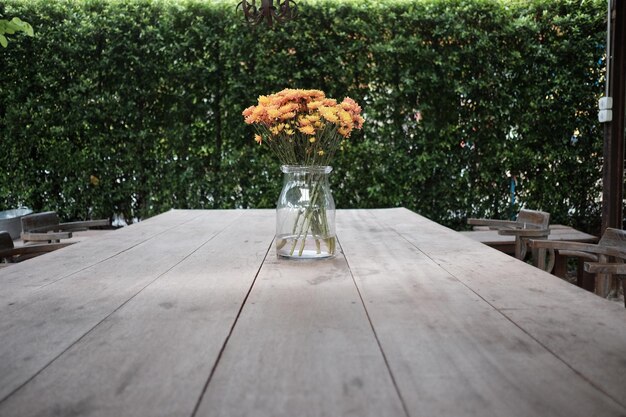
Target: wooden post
{"points": [[613, 152], [613, 171]]}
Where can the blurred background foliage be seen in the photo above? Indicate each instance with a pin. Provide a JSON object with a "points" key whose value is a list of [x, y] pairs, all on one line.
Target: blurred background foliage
{"points": [[125, 109]]}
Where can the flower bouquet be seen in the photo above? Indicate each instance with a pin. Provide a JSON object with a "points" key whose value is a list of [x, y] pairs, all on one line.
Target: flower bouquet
{"points": [[305, 129]]}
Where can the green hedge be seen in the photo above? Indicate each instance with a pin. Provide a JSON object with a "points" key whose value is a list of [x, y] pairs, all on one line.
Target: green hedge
{"points": [[129, 108]]}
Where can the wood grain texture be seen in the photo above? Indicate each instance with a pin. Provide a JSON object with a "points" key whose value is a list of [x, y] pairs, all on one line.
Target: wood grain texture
{"points": [[29, 251], [614, 238], [46, 220], [607, 268], [302, 347], [24, 280], [440, 336], [188, 315], [152, 356], [585, 332], [493, 238], [42, 324]]}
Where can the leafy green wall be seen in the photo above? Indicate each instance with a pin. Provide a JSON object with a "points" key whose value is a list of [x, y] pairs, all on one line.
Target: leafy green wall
{"points": [[133, 107]]}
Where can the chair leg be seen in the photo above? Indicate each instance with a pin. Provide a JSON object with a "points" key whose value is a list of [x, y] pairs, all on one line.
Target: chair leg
{"points": [[544, 259], [560, 265], [603, 285], [520, 248]]}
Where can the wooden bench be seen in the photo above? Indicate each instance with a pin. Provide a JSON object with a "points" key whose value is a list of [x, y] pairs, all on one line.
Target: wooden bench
{"points": [[529, 224], [11, 254], [558, 232], [46, 226], [605, 259]]}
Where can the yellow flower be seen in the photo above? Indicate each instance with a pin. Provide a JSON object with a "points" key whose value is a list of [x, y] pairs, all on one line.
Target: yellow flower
{"points": [[286, 116], [304, 121], [320, 153], [307, 130], [273, 113], [258, 112], [328, 113], [314, 105], [345, 117], [258, 139], [344, 131], [312, 140]]}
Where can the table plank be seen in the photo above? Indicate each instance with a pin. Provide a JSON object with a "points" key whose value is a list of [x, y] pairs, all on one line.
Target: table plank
{"points": [[163, 343], [557, 232], [454, 341], [585, 332], [188, 314], [65, 262], [303, 346], [506, 243], [68, 309]]}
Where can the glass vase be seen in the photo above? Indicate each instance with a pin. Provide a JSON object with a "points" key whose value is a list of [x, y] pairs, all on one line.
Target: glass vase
{"points": [[305, 214]]}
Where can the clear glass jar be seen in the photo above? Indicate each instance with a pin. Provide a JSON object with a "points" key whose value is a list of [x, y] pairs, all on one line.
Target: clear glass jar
{"points": [[305, 214]]}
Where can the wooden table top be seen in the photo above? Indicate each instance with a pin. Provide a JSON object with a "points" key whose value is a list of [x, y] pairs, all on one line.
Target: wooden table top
{"points": [[190, 313], [557, 232]]}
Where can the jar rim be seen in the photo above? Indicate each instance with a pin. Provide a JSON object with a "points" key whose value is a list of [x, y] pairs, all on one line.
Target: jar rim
{"points": [[312, 169]]}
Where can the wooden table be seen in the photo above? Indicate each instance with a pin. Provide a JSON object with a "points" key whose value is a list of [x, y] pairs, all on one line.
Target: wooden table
{"points": [[190, 313], [506, 243]]}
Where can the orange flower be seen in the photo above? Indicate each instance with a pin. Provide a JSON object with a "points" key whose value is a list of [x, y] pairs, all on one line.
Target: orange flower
{"points": [[247, 112], [288, 108], [314, 105], [350, 105], [297, 122]]}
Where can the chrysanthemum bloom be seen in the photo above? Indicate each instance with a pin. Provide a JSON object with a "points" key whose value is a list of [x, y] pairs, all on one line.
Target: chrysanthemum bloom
{"points": [[307, 130], [304, 127]]}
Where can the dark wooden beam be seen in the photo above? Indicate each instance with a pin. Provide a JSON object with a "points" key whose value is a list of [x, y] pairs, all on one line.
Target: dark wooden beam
{"points": [[613, 169]]}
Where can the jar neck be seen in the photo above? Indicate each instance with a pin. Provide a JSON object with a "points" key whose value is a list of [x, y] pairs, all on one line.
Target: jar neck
{"points": [[306, 169]]}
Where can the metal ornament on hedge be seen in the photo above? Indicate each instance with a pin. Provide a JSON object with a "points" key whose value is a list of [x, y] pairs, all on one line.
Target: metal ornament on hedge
{"points": [[283, 11]]}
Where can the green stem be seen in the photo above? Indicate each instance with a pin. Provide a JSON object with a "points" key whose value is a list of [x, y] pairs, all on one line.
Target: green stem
{"points": [[308, 218]]}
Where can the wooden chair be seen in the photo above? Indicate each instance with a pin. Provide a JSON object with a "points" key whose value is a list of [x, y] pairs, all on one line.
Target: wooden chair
{"points": [[604, 259], [10, 254], [47, 227], [529, 224]]}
